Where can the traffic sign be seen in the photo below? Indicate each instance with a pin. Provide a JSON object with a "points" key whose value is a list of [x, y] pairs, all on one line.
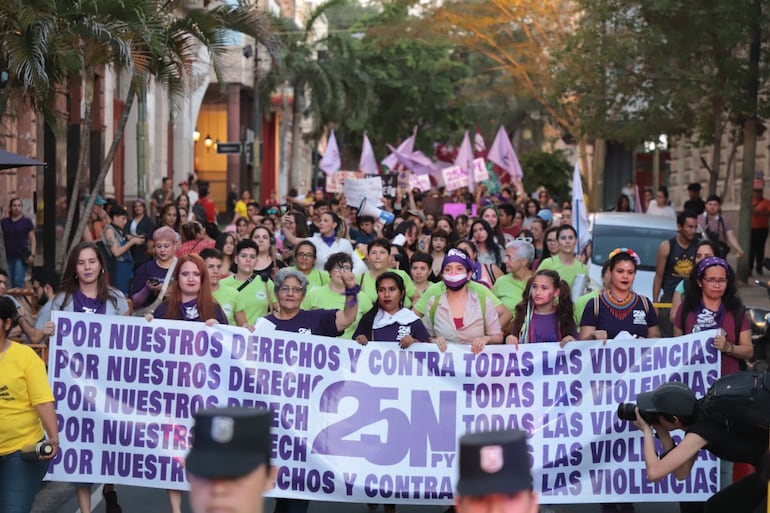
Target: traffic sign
{"points": [[229, 147]]}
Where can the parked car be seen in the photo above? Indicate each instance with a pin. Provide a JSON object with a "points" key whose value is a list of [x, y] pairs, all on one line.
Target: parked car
{"points": [[641, 232]]}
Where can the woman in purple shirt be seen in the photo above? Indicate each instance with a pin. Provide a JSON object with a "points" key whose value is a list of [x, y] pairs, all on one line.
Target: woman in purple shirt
{"points": [[389, 320], [545, 312], [290, 289], [618, 309]]}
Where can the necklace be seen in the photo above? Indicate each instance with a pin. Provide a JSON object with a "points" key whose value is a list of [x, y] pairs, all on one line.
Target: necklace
{"points": [[618, 309]]}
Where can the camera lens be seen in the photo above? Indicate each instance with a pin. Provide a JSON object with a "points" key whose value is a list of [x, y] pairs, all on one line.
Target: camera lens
{"points": [[627, 411]]}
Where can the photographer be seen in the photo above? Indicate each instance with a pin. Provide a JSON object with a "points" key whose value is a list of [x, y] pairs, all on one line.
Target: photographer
{"points": [[673, 406], [119, 243]]}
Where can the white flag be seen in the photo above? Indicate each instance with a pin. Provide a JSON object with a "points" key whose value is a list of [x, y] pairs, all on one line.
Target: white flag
{"points": [[579, 211], [367, 164], [465, 161], [331, 162]]}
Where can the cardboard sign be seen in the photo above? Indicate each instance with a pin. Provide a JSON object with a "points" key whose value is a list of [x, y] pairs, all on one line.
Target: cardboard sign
{"points": [[356, 189], [336, 181]]}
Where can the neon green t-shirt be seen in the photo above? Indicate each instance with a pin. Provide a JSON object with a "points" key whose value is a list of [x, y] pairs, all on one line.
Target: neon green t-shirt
{"points": [[509, 290], [326, 299], [369, 286], [580, 305], [226, 297], [567, 273], [439, 288], [254, 299]]}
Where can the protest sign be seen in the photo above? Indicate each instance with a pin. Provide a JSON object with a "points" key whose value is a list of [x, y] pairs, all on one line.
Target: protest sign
{"points": [[480, 171], [335, 182], [419, 182], [457, 209], [358, 189], [364, 423], [454, 178]]}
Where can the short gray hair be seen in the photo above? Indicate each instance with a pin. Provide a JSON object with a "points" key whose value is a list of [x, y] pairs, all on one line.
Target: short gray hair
{"points": [[288, 272], [523, 250]]}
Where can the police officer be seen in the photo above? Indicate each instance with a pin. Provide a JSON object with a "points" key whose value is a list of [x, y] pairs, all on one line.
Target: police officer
{"points": [[229, 466], [495, 474]]}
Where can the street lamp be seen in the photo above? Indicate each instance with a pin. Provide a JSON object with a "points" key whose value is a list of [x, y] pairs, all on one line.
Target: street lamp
{"points": [[196, 135], [208, 142]]}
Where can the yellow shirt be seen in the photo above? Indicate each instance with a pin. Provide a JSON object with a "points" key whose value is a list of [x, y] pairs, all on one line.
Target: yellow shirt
{"points": [[23, 385]]}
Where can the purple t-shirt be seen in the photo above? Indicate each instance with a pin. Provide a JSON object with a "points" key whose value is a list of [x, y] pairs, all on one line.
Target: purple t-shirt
{"points": [[146, 271], [189, 312], [544, 328], [15, 235], [636, 319], [309, 322]]}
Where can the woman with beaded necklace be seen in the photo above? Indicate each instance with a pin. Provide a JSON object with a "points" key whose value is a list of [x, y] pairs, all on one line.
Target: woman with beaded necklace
{"points": [[618, 308]]}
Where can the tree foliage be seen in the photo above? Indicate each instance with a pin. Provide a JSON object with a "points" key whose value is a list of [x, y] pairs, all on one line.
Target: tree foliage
{"points": [[550, 170]]}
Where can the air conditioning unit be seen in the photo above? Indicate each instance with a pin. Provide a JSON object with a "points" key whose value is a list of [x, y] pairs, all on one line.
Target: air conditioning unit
{"points": [[192, 4]]}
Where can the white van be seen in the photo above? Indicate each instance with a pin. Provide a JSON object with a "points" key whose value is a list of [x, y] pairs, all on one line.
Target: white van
{"points": [[641, 232]]}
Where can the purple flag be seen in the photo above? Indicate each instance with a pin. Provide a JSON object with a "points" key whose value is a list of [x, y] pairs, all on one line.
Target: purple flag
{"points": [[405, 148], [417, 162], [367, 164], [330, 162], [502, 154], [465, 161]]}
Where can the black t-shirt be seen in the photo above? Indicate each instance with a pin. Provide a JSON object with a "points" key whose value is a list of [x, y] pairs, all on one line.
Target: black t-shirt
{"points": [[743, 446]]}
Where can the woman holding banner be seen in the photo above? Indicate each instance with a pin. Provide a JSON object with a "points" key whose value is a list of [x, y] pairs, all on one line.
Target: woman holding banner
{"points": [[460, 315], [26, 414], [290, 289], [618, 309], [84, 289], [189, 299]]}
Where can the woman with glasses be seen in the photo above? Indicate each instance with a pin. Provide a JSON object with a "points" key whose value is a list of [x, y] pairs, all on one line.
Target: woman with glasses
{"points": [[551, 246], [338, 291], [618, 309], [304, 259], [291, 290], [565, 262], [711, 301]]}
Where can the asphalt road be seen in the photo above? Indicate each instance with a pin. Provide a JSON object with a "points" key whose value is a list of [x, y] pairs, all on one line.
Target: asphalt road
{"points": [[60, 498]]}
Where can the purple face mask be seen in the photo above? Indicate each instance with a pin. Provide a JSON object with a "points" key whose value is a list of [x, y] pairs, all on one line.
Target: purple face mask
{"points": [[454, 281]]}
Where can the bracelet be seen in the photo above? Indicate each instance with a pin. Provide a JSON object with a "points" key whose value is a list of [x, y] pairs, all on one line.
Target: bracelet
{"points": [[351, 300], [353, 291]]}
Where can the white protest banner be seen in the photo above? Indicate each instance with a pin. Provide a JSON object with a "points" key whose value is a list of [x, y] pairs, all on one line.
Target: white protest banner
{"points": [[335, 182], [420, 182], [369, 187], [480, 171], [454, 177], [364, 423]]}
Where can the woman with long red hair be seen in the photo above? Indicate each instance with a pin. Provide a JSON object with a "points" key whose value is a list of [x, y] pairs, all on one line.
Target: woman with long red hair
{"points": [[189, 299], [189, 296]]}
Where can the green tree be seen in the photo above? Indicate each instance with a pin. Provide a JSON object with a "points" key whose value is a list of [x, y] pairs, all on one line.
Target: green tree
{"points": [[47, 41], [550, 170]]}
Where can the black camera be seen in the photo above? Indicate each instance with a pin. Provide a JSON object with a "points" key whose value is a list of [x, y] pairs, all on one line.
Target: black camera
{"points": [[627, 411]]}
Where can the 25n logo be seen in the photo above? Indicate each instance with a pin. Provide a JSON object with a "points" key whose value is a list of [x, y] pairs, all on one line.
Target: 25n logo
{"points": [[425, 423]]}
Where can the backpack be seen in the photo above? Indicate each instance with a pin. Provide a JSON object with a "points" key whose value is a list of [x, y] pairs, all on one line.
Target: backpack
{"points": [[740, 401]]}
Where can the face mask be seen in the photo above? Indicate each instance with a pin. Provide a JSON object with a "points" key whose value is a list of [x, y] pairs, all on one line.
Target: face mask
{"points": [[454, 281]]}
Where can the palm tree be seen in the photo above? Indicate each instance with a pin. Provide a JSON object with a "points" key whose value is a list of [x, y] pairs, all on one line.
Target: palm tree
{"points": [[46, 41], [323, 88]]}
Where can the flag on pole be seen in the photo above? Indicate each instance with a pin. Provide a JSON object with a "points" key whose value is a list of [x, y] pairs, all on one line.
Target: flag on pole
{"points": [[465, 160], [579, 211], [503, 154], [331, 162], [417, 162], [479, 146], [367, 164], [405, 148]]}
